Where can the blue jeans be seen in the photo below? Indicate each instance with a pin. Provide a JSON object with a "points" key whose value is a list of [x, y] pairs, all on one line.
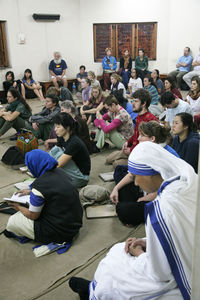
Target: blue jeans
{"points": [[125, 78]]}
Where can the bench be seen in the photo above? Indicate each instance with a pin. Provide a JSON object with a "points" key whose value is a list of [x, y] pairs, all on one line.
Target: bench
{"points": [[46, 84]]}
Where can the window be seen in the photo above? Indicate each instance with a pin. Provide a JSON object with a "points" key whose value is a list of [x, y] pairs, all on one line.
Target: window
{"points": [[131, 36], [3, 46]]}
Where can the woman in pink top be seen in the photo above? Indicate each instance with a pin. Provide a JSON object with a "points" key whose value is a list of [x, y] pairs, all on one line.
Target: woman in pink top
{"points": [[118, 129]]}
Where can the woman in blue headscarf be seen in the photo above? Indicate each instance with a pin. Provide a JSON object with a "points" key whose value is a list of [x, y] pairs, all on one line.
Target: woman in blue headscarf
{"points": [[55, 212]]}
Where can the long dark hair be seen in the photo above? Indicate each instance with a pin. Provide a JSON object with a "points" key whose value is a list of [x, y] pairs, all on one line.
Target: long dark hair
{"points": [[172, 82], [27, 71], [196, 94], [187, 120], [10, 73], [17, 95], [158, 73]]}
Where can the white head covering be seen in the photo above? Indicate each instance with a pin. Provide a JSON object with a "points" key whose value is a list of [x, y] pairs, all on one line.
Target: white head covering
{"points": [[173, 211], [156, 158]]}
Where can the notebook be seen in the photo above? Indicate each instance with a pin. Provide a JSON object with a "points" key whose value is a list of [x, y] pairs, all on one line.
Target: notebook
{"points": [[24, 184], [100, 211], [15, 198], [107, 176]]}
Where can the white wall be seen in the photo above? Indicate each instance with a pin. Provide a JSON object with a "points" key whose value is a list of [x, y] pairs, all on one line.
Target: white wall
{"points": [[178, 26], [122, 11], [184, 28], [42, 38]]}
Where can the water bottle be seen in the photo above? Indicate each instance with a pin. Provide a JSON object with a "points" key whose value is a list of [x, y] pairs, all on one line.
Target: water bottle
{"points": [[73, 88]]}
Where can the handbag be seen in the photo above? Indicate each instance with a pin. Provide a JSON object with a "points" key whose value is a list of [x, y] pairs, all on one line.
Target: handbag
{"points": [[26, 142]]}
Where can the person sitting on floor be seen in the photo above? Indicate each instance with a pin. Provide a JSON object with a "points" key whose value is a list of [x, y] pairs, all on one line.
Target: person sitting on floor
{"points": [[42, 122], [109, 65], [151, 88], [57, 68], [94, 104], [127, 197], [55, 212], [92, 77], [123, 102], [141, 103], [16, 113], [70, 152], [193, 98], [62, 92], [186, 140], [157, 81], [116, 84], [173, 106], [120, 127], [159, 266], [135, 83], [86, 89], [32, 89], [125, 67], [82, 74], [170, 86], [11, 82], [81, 130]]}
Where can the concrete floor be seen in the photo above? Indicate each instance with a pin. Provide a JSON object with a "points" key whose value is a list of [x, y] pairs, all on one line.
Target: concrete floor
{"points": [[92, 244]]}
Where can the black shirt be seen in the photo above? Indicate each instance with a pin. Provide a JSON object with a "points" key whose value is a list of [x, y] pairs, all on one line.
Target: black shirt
{"points": [[188, 149], [75, 147], [61, 216]]}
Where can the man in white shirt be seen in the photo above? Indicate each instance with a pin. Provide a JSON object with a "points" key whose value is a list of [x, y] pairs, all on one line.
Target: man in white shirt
{"points": [[196, 70], [173, 106]]}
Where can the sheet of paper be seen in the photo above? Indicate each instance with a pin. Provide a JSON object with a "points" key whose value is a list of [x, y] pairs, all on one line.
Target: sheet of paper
{"points": [[107, 176], [23, 185], [16, 198]]}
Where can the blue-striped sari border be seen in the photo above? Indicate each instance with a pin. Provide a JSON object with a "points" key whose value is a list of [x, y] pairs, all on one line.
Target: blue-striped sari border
{"points": [[164, 236]]}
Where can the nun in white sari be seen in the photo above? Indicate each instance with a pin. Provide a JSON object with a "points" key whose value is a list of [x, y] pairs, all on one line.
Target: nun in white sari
{"points": [[163, 269]]}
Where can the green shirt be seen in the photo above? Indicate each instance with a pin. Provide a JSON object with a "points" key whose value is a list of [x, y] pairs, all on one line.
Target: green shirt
{"points": [[24, 112], [141, 64]]}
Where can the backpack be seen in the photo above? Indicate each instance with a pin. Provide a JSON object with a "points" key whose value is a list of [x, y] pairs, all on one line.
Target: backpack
{"points": [[13, 156]]}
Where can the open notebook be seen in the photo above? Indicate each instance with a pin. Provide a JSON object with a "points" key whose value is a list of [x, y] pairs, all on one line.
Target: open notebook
{"points": [[100, 211], [15, 198]]}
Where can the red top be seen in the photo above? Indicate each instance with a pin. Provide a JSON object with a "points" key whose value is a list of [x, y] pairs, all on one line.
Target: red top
{"points": [[146, 117], [177, 93]]}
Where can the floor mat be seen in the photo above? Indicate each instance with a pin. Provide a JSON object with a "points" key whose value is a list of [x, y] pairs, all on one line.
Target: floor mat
{"points": [[23, 276]]}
